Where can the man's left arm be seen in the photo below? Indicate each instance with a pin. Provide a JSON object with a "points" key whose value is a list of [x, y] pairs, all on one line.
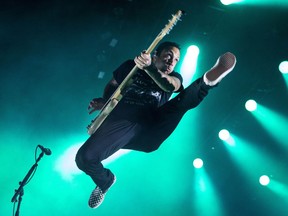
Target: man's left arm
{"points": [[172, 80]]}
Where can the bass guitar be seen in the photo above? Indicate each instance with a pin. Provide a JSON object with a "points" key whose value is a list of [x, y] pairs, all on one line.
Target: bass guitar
{"points": [[117, 95]]}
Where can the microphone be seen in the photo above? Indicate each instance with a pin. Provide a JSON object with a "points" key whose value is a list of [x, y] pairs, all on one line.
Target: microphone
{"points": [[46, 151]]}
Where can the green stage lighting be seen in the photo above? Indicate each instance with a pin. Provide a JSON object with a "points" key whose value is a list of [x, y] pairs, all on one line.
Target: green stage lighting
{"points": [[264, 180], [265, 2], [226, 137], [65, 164], [189, 64], [279, 188], [198, 163], [224, 134], [251, 105], [274, 123], [206, 193], [283, 67], [252, 160], [228, 2]]}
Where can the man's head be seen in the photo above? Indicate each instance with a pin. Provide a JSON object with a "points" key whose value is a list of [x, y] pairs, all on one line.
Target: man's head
{"points": [[166, 56]]}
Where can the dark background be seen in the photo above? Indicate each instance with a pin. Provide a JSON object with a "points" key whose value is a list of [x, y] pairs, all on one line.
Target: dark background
{"points": [[53, 55]]}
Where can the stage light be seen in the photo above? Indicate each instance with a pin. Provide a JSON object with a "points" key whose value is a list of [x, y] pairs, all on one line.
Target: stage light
{"points": [[193, 50], [66, 165], [228, 2], [251, 105], [277, 3], [283, 67], [189, 64], [197, 163], [264, 180], [224, 134], [226, 137]]}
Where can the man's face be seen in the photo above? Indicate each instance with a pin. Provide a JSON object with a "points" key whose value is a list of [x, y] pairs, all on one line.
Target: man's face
{"points": [[167, 60]]}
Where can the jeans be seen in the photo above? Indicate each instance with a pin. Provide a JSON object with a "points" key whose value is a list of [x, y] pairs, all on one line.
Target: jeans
{"points": [[113, 135]]}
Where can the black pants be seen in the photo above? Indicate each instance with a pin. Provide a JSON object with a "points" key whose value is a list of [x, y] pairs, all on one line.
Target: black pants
{"points": [[113, 135]]}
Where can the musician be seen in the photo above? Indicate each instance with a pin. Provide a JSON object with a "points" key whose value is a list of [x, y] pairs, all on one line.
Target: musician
{"points": [[145, 116]]}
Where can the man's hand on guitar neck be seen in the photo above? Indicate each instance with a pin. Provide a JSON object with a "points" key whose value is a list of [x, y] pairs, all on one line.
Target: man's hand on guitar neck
{"points": [[96, 104]]}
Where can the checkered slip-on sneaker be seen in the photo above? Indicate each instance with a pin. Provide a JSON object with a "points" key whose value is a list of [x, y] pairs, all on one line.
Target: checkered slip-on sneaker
{"points": [[223, 66], [97, 196]]}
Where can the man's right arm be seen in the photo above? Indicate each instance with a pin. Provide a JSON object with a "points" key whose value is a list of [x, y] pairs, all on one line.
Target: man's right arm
{"points": [[110, 88], [98, 103]]}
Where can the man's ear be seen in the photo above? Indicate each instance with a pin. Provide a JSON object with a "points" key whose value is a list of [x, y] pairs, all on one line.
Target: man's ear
{"points": [[154, 56]]}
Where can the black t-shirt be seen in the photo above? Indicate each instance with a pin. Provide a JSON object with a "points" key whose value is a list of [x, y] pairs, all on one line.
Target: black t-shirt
{"points": [[142, 96]]}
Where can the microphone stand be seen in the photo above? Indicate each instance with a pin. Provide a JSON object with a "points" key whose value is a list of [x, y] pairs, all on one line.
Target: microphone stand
{"points": [[20, 191]]}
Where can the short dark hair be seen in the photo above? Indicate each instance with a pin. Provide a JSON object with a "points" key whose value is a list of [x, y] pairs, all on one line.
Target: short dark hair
{"points": [[165, 45]]}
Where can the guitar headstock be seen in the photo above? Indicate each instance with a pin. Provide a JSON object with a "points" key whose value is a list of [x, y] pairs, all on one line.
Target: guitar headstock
{"points": [[172, 22]]}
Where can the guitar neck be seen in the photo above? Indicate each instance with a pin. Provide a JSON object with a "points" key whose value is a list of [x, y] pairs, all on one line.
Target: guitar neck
{"points": [[126, 82]]}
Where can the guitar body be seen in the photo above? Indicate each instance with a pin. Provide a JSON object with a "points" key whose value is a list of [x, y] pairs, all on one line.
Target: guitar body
{"points": [[117, 95]]}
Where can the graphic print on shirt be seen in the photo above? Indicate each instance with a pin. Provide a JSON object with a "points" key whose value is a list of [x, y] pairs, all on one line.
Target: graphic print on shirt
{"points": [[143, 91]]}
